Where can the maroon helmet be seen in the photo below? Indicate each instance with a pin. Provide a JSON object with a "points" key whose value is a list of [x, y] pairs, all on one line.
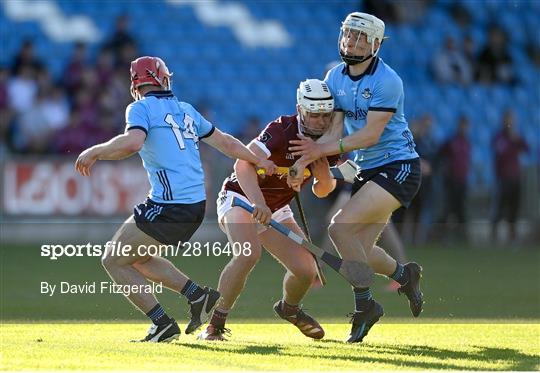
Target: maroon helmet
{"points": [[148, 70]]}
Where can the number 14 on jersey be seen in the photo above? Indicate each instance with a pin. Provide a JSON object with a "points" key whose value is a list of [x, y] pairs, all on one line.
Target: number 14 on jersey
{"points": [[188, 133]]}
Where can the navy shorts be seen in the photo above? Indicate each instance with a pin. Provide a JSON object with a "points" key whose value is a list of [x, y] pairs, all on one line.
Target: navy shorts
{"points": [[400, 178], [169, 223]]}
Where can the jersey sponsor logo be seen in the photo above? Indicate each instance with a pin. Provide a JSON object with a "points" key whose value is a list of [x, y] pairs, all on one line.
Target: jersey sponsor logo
{"points": [[359, 114], [265, 137], [341, 92], [366, 93]]}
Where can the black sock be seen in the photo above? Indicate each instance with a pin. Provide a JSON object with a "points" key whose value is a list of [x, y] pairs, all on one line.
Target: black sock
{"points": [[362, 299], [158, 315], [400, 275], [192, 291]]}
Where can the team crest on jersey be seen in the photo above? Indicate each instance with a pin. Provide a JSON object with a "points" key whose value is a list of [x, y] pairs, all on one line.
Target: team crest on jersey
{"points": [[264, 137], [366, 93]]}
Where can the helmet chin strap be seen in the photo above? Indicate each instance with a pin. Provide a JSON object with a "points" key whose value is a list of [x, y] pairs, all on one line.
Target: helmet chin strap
{"points": [[350, 60], [354, 60]]}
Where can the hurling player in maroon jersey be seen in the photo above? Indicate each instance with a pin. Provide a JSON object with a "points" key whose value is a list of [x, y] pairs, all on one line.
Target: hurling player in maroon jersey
{"points": [[270, 197]]}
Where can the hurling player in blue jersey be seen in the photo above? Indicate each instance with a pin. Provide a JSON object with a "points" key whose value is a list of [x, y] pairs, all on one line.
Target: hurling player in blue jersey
{"points": [[165, 132], [369, 102]]}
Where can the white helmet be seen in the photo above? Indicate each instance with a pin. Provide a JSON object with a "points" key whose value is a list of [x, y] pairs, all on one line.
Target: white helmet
{"points": [[365, 23], [313, 97]]}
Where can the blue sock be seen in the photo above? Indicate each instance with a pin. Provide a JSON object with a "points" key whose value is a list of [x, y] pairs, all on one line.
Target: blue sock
{"points": [[362, 299], [158, 315], [400, 275], [192, 291]]}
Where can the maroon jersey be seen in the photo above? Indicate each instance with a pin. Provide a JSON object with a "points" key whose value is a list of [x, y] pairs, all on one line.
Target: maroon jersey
{"points": [[274, 141], [508, 147]]}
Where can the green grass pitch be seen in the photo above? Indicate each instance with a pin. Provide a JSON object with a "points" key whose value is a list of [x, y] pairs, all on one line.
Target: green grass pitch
{"points": [[482, 312], [274, 347]]}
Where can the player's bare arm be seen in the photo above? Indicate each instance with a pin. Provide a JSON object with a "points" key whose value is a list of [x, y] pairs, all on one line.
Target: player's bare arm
{"points": [[323, 182], [364, 138], [248, 180], [119, 147], [232, 147]]}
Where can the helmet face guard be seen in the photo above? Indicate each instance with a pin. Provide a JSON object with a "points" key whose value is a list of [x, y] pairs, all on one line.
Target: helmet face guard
{"points": [[315, 106], [355, 25], [314, 125], [148, 71]]}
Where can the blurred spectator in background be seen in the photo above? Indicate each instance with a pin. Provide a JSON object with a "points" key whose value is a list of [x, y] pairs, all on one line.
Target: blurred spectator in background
{"points": [[105, 66], [507, 146], [392, 12], [73, 72], [6, 114], [412, 221], [469, 52], [533, 51], [495, 64], [72, 139], [45, 80], [22, 89], [450, 64], [35, 127], [121, 43], [26, 58], [460, 14], [455, 155], [383, 9]]}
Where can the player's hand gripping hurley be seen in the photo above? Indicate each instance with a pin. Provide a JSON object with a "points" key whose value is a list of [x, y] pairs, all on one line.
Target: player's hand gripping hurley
{"points": [[346, 171]]}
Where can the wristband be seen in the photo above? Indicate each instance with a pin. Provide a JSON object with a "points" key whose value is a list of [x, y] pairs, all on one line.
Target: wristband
{"points": [[341, 150]]}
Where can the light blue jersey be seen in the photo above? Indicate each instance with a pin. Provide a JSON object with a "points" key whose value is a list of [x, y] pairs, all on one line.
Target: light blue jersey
{"points": [[378, 89], [170, 153]]}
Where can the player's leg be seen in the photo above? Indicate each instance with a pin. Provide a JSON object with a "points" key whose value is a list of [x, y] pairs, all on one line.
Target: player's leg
{"points": [[371, 205], [161, 270], [122, 271], [301, 271], [354, 231], [497, 216], [299, 262], [391, 240], [407, 275], [460, 198], [240, 228], [512, 202], [202, 300], [173, 224]]}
